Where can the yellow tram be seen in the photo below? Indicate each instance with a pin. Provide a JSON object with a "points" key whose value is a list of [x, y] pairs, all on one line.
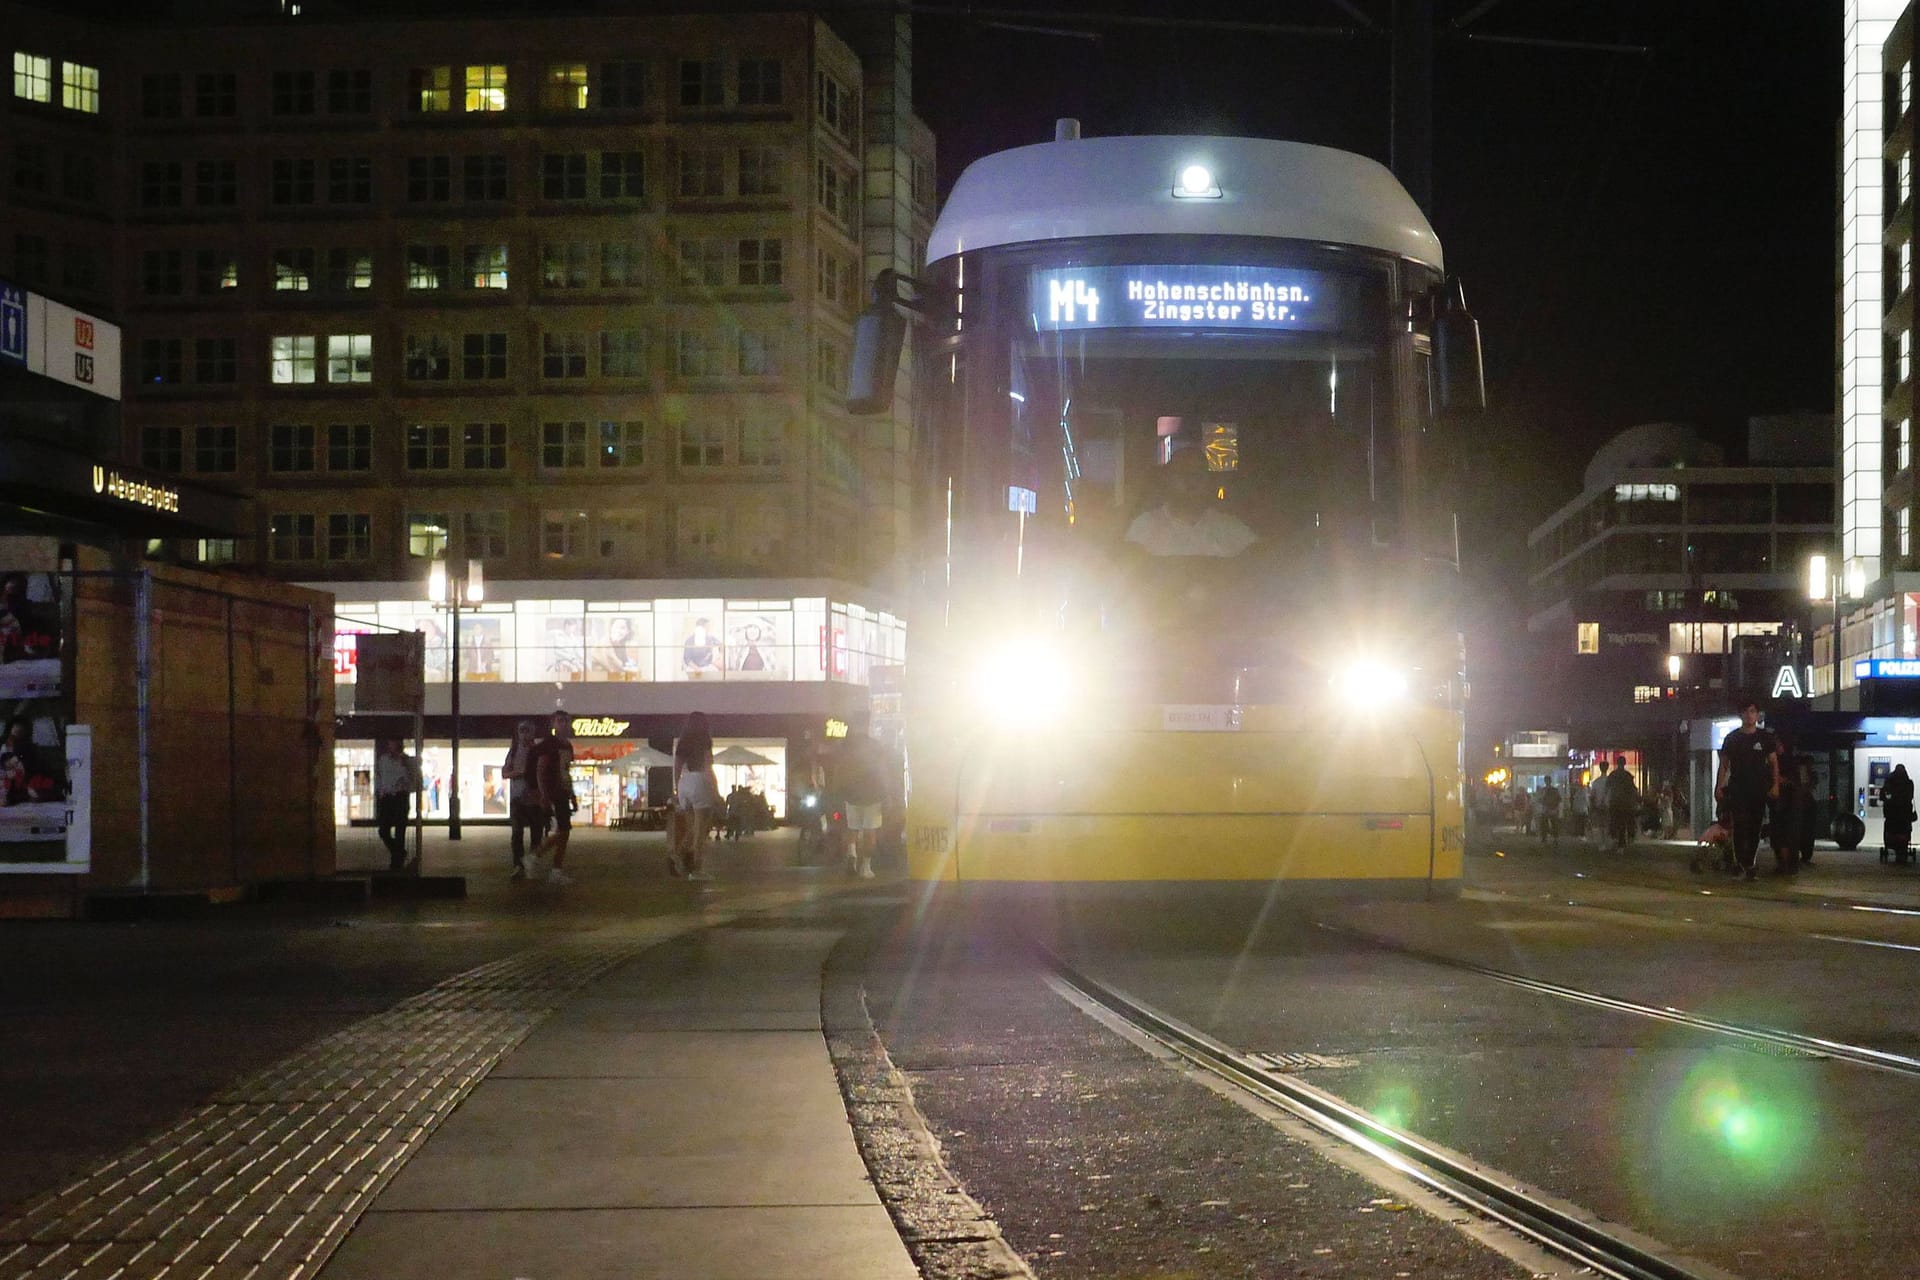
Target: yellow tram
{"points": [[1182, 590]]}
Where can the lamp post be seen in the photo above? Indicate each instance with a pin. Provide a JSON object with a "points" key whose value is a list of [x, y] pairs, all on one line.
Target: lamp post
{"points": [[1825, 581], [455, 593]]}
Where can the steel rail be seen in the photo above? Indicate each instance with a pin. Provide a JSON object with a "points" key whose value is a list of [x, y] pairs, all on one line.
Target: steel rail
{"points": [[1484, 1192], [1812, 1046]]}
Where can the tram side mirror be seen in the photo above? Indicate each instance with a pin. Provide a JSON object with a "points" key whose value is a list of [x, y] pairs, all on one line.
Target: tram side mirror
{"points": [[878, 335], [1456, 351]]}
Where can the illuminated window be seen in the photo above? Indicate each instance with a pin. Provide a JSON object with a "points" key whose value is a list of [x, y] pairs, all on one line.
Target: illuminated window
{"points": [[1587, 637], [350, 357], [1645, 693], [487, 87], [486, 266], [292, 359], [349, 270], [564, 87], [1906, 265], [1903, 526], [427, 266], [430, 89], [292, 270], [1903, 445], [215, 271], [1646, 493], [427, 534], [32, 77], [80, 88], [215, 551], [1906, 354]]}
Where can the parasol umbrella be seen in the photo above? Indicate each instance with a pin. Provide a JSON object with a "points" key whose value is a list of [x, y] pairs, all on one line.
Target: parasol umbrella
{"points": [[737, 755]]}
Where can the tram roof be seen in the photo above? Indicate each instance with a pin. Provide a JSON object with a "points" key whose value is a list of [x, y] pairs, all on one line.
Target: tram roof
{"points": [[1124, 186]]}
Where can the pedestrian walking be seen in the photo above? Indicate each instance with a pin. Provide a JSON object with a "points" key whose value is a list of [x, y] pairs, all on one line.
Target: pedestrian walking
{"points": [[1621, 802], [1809, 809], [1579, 796], [526, 821], [1787, 816], [1896, 808], [1749, 778], [696, 799], [396, 780], [860, 781], [1550, 817], [550, 775]]}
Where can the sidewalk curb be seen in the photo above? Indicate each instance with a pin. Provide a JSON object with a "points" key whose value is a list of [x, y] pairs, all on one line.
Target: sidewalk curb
{"points": [[949, 1235]]}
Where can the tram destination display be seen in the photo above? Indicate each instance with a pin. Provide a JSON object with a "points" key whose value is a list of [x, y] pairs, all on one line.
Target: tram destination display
{"points": [[1188, 296]]}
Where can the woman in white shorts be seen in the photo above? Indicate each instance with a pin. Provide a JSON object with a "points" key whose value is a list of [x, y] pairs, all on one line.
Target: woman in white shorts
{"points": [[696, 797]]}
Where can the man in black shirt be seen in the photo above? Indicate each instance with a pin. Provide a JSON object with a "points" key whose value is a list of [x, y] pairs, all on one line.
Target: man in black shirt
{"points": [[1749, 780]]}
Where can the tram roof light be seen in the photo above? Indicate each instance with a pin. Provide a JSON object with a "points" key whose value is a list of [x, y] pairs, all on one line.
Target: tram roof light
{"points": [[1196, 183]]}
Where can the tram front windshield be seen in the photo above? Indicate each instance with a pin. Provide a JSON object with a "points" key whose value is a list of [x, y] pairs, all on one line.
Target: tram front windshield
{"points": [[1202, 490]]}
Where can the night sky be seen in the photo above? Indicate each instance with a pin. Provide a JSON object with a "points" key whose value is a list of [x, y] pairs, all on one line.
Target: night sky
{"points": [[1642, 237]]}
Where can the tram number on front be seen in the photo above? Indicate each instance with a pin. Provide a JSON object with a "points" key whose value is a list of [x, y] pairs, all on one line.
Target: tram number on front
{"points": [[928, 839]]}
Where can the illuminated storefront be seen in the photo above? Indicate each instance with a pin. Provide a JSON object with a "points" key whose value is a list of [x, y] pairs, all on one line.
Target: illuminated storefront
{"points": [[777, 674]]}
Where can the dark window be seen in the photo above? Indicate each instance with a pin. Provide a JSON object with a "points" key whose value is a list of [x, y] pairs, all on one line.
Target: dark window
{"points": [[161, 449], [79, 266], [30, 258], [623, 86], [79, 176], [293, 181], [429, 179], [563, 355], [350, 180], [293, 93], [702, 83], [216, 360], [428, 266], [160, 95], [564, 176], [32, 171], [162, 361], [215, 271], [216, 450], [760, 82], [216, 183], [290, 446], [160, 273], [622, 175], [349, 536], [290, 537], [160, 183], [484, 446], [483, 356], [1805, 503], [429, 446], [350, 93], [216, 93], [349, 446], [485, 177], [426, 358], [1729, 504]]}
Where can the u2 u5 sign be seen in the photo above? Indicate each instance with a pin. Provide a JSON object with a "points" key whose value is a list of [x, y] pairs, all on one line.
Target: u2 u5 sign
{"points": [[932, 839]]}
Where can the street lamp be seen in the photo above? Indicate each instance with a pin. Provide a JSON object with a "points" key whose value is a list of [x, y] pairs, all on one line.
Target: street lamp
{"points": [[1826, 582], [455, 593]]}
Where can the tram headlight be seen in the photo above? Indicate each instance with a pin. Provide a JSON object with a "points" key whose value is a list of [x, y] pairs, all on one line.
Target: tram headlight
{"points": [[1022, 678], [1367, 684]]}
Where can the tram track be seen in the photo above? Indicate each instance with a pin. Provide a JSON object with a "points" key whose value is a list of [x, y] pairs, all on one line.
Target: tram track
{"points": [[1768, 1039], [1603, 1249]]}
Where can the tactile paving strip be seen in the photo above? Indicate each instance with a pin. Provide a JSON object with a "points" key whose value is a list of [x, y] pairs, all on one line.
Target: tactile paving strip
{"points": [[267, 1178]]}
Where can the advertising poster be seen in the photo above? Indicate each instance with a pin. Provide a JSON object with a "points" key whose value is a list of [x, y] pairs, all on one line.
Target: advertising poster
{"points": [[700, 649], [480, 648], [759, 645], [619, 647], [564, 645], [33, 747]]}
